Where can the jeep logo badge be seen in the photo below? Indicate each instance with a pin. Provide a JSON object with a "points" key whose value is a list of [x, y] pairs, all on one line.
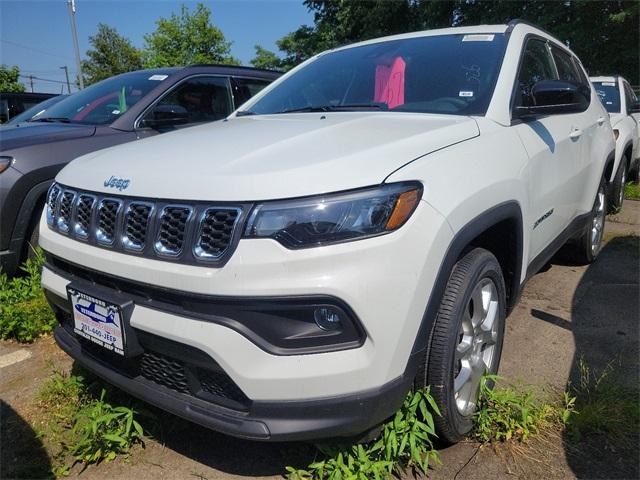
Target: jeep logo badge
{"points": [[115, 182]]}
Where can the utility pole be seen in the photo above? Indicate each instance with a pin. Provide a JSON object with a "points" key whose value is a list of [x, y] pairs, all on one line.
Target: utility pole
{"points": [[66, 74], [31, 82], [71, 6]]}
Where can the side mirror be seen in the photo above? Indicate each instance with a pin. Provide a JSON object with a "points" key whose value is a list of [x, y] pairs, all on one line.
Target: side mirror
{"points": [[163, 116], [549, 97]]}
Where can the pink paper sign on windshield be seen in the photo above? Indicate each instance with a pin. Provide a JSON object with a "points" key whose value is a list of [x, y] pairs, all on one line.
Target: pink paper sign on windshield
{"points": [[389, 86]]}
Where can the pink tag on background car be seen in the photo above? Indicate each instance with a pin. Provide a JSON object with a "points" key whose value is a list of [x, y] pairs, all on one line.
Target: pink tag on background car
{"points": [[389, 86]]}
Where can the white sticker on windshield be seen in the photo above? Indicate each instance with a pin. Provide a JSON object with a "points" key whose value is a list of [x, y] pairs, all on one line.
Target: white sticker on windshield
{"points": [[477, 37], [157, 77], [115, 112], [465, 94], [608, 84]]}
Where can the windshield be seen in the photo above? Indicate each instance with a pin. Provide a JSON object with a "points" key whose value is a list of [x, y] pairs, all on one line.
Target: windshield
{"points": [[609, 95], [450, 74], [105, 101]]}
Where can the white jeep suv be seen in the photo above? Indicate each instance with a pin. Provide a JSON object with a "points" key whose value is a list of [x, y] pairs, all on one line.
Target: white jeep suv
{"points": [[362, 227], [621, 102]]}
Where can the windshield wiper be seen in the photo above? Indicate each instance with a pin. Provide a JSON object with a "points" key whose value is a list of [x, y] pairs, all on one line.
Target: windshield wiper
{"points": [[52, 119], [337, 108]]}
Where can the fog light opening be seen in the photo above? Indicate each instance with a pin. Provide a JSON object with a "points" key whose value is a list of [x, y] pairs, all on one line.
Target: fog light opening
{"points": [[327, 318]]}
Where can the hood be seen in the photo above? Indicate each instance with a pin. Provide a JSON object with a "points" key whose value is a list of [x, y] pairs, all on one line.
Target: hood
{"points": [[25, 134], [268, 157]]}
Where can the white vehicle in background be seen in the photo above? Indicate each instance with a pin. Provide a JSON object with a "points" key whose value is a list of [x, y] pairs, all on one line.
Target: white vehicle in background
{"points": [[362, 227], [621, 102]]}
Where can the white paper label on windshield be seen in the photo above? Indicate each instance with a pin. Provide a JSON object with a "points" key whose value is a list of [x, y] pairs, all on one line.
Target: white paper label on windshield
{"points": [[158, 77], [608, 84], [477, 37], [464, 93]]}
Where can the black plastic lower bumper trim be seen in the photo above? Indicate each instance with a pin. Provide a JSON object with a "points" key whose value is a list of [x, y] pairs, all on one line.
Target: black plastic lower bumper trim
{"points": [[340, 416]]}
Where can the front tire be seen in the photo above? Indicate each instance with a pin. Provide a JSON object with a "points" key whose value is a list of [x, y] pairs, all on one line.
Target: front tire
{"points": [[466, 341]]}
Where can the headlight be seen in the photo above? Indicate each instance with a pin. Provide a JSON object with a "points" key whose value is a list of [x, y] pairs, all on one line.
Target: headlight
{"points": [[5, 162], [334, 218]]}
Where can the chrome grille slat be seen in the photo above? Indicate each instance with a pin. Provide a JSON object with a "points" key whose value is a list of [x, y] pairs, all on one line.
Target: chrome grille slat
{"points": [[65, 210], [171, 232], [136, 224], [107, 217], [195, 233]]}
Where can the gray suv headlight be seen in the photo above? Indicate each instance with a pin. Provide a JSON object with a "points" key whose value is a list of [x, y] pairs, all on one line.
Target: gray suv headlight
{"points": [[5, 162], [335, 218]]}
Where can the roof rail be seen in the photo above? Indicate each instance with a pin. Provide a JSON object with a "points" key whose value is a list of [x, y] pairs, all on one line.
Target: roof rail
{"points": [[520, 21], [224, 65]]}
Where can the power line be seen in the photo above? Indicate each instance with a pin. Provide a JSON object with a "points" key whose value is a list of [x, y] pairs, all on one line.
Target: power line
{"points": [[33, 49], [33, 77]]}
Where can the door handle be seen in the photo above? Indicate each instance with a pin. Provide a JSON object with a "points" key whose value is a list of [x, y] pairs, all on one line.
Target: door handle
{"points": [[600, 121], [575, 134]]}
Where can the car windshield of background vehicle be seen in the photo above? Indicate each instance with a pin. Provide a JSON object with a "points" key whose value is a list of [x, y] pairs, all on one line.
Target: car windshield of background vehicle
{"points": [[609, 95], [445, 74], [105, 101]]}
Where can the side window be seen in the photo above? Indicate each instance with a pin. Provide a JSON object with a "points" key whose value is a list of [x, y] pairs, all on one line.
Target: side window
{"points": [[204, 98], [566, 69], [245, 88], [536, 65]]}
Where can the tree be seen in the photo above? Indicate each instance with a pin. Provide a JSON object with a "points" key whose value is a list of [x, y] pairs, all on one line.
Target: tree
{"points": [[9, 79], [187, 39], [111, 54], [266, 59]]}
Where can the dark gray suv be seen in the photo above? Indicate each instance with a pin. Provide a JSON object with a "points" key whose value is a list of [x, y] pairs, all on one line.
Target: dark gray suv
{"points": [[117, 110]]}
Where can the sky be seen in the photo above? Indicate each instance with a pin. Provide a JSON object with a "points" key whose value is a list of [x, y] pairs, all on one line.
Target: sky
{"points": [[35, 34]]}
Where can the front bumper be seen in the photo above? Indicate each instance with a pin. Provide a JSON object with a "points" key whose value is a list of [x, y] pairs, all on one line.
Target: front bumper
{"points": [[341, 416]]}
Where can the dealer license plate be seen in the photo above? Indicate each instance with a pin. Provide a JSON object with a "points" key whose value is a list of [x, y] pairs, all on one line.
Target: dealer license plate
{"points": [[98, 321]]}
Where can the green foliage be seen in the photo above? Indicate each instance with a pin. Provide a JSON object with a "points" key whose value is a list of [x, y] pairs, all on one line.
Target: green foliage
{"points": [[606, 406], [505, 413], [111, 54], [103, 431], [24, 312], [89, 429], [406, 441], [9, 79], [186, 39], [632, 191], [266, 59]]}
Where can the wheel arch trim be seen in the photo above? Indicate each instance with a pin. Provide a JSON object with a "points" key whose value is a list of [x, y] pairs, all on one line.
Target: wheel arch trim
{"points": [[508, 210]]}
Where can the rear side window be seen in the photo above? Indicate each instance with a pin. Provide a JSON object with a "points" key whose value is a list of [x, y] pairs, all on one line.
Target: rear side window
{"points": [[204, 98], [537, 65], [609, 95], [245, 88], [630, 97]]}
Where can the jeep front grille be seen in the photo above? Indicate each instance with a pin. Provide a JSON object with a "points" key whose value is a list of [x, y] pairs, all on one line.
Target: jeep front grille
{"points": [[195, 232]]}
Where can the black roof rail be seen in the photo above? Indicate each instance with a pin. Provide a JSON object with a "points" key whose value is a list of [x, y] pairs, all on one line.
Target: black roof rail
{"points": [[241, 67], [520, 21]]}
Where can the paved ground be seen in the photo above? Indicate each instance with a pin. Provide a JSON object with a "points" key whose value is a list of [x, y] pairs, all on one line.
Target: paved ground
{"points": [[566, 313]]}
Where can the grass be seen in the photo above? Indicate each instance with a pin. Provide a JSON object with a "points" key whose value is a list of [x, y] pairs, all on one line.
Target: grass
{"points": [[406, 442], [86, 427], [632, 191], [508, 413], [24, 312], [606, 406]]}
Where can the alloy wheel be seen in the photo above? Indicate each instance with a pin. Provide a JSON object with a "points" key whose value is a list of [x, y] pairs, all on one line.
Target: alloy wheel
{"points": [[477, 344]]}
